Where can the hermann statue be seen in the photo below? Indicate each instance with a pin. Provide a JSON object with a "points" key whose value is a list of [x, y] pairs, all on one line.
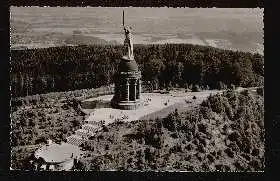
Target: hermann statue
{"points": [[128, 43]]}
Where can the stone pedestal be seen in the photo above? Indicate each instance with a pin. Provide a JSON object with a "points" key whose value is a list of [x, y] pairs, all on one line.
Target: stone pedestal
{"points": [[127, 85]]}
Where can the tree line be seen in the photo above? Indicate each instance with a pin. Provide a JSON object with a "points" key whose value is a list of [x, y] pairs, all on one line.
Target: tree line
{"points": [[43, 70]]}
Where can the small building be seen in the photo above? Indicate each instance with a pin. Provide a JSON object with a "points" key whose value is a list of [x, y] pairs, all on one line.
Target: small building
{"points": [[56, 157]]}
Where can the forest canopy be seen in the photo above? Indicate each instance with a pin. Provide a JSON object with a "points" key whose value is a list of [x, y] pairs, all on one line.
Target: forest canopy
{"points": [[37, 71]]}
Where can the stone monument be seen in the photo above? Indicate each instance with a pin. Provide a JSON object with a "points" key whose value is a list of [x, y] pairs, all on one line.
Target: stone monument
{"points": [[127, 79]]}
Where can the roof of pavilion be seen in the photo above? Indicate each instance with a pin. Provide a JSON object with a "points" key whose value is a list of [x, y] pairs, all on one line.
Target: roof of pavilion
{"points": [[57, 153]]}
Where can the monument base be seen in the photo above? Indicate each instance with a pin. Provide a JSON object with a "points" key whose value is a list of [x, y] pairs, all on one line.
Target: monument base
{"points": [[126, 105]]}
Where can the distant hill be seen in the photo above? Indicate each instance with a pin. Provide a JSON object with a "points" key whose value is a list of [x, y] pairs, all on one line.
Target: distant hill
{"points": [[56, 39], [78, 39], [236, 29]]}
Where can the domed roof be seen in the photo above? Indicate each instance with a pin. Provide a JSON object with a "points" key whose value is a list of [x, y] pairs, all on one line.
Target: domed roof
{"points": [[57, 153], [127, 65]]}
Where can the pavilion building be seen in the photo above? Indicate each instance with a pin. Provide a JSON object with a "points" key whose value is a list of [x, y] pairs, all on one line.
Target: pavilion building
{"points": [[127, 85]]}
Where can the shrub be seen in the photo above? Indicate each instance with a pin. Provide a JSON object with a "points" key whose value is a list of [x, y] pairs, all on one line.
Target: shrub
{"points": [[196, 88], [189, 147], [174, 135], [105, 128], [148, 155], [210, 158], [42, 139], [221, 86], [153, 139], [175, 149], [260, 91], [232, 87], [168, 123], [229, 152], [255, 164], [234, 136], [106, 147], [222, 168], [245, 92], [205, 111], [215, 103], [119, 121], [202, 128]]}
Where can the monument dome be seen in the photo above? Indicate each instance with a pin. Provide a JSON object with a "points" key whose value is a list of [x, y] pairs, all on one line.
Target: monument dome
{"points": [[56, 156], [128, 65]]}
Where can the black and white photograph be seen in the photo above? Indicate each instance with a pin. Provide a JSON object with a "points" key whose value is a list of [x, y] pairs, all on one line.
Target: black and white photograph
{"points": [[137, 89]]}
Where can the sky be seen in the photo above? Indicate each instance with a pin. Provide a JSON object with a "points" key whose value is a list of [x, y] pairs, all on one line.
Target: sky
{"points": [[238, 29]]}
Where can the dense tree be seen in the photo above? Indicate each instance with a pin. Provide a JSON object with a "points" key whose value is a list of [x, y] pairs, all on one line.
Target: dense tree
{"points": [[152, 69], [68, 68]]}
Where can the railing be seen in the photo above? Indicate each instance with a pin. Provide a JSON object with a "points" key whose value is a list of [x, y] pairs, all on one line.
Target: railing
{"points": [[75, 140], [90, 127], [83, 133]]}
